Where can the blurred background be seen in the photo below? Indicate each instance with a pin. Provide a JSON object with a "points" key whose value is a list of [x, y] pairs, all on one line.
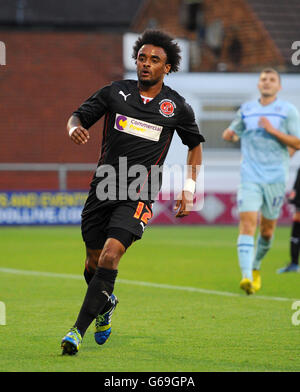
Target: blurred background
{"points": [[55, 54]]}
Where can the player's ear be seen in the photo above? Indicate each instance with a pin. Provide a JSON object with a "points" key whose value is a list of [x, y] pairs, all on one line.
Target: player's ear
{"points": [[280, 86], [167, 68]]}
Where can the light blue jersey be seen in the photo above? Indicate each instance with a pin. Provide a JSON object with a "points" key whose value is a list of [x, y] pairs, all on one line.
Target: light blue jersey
{"points": [[264, 159]]}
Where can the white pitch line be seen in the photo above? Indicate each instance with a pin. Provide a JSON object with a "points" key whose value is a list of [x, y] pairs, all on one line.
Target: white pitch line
{"points": [[141, 283], [207, 243]]}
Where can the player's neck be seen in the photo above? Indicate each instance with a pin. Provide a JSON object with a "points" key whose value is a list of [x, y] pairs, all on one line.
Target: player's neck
{"points": [[149, 91], [264, 101]]}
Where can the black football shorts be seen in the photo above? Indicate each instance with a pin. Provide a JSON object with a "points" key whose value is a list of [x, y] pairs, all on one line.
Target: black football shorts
{"points": [[122, 220]]}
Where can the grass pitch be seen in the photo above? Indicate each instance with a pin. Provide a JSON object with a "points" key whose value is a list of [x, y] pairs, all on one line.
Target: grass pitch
{"points": [[180, 308]]}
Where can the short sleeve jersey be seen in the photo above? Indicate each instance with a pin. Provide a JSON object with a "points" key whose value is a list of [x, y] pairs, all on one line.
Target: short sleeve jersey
{"points": [[264, 158], [139, 132]]}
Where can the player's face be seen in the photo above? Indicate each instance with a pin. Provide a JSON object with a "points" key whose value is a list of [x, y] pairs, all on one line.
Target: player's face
{"points": [[269, 84], [151, 65]]}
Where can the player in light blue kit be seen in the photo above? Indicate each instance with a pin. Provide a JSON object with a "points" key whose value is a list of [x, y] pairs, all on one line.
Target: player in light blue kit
{"points": [[269, 129]]}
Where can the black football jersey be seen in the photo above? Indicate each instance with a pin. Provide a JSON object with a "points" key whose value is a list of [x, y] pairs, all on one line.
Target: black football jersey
{"points": [[135, 133]]}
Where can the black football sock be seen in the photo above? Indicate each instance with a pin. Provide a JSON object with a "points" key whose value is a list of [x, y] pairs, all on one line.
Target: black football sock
{"points": [[295, 242], [107, 306], [99, 290], [88, 275]]}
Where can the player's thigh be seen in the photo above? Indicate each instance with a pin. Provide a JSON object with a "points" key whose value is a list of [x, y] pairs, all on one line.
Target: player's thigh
{"points": [[131, 216], [94, 228], [249, 197], [273, 200]]}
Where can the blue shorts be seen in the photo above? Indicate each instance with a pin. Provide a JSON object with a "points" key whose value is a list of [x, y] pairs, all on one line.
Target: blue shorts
{"points": [[267, 198]]}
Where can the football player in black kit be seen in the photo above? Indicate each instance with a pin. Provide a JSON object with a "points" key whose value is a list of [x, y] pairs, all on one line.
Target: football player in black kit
{"points": [[140, 119], [294, 198]]}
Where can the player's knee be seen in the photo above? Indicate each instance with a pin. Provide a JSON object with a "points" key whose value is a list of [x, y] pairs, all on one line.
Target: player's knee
{"points": [[267, 234], [267, 231], [247, 228], [248, 221], [109, 258]]}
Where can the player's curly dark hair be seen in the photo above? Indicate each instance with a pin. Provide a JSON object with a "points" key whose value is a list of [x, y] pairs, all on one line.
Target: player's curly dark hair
{"points": [[163, 40]]}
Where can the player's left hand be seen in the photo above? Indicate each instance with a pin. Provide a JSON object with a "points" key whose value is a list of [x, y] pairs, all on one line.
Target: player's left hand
{"points": [[265, 123], [184, 204]]}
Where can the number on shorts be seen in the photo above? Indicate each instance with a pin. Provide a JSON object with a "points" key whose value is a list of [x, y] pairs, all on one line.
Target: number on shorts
{"points": [[138, 212], [277, 201]]}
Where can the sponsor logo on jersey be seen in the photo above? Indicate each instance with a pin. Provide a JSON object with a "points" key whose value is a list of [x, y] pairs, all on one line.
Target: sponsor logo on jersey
{"points": [[138, 128], [123, 94], [167, 107], [121, 122]]}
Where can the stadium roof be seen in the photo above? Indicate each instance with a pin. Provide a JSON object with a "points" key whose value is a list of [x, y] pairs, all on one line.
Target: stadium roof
{"points": [[101, 14], [281, 20]]}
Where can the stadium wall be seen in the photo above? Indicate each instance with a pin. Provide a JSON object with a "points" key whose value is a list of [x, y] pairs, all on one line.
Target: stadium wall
{"points": [[240, 26], [46, 76]]}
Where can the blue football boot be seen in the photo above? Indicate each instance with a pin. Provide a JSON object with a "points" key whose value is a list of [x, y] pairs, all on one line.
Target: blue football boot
{"points": [[289, 268], [103, 322], [71, 342]]}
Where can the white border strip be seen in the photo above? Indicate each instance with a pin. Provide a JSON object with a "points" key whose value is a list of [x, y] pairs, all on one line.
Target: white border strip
{"points": [[144, 284]]}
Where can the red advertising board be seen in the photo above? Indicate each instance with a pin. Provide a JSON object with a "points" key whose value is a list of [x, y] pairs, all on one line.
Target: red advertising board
{"points": [[218, 209]]}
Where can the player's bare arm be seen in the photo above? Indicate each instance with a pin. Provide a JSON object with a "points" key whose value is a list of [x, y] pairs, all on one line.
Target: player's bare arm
{"points": [[230, 136], [76, 132], [184, 203], [289, 140], [291, 151]]}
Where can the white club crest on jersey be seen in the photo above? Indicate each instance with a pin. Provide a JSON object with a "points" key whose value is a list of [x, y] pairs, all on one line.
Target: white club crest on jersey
{"points": [[123, 94]]}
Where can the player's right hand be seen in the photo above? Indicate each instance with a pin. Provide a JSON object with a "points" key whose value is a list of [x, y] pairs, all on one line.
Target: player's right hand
{"points": [[80, 135], [230, 136]]}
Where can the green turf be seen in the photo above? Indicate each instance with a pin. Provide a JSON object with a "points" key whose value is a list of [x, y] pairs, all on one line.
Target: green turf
{"points": [[154, 328]]}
